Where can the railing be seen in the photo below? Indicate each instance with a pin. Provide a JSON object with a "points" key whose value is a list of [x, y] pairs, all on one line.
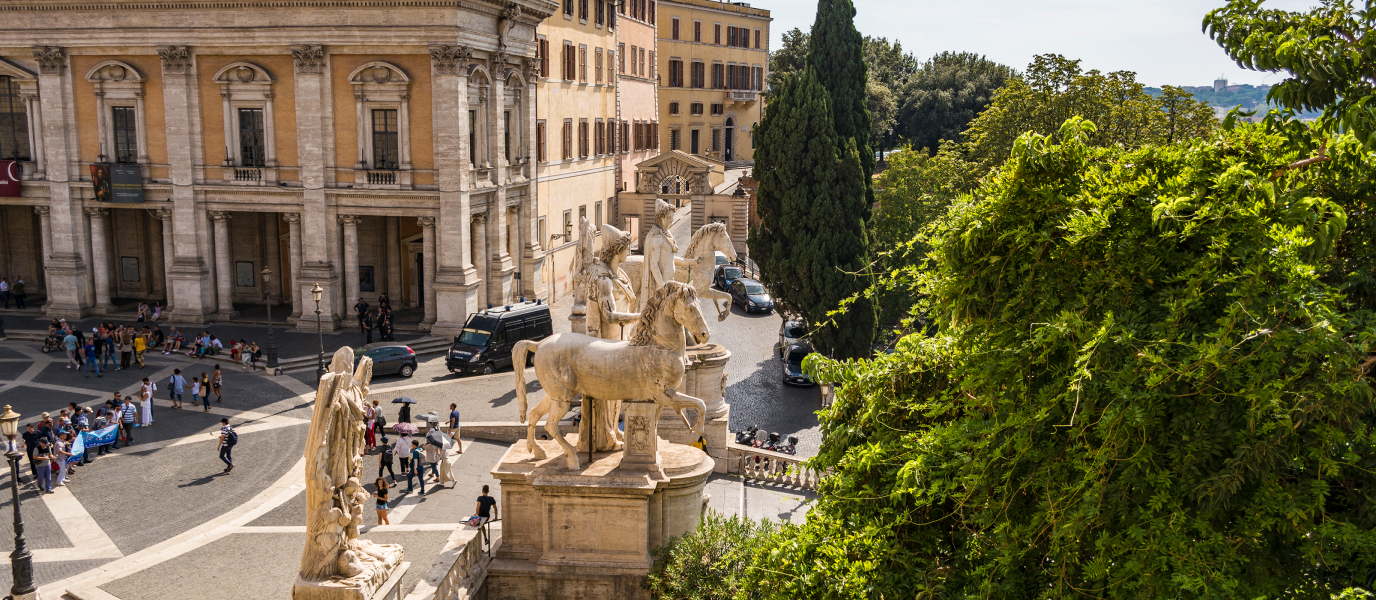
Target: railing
{"points": [[766, 465], [466, 577], [740, 95], [382, 177], [248, 174]]}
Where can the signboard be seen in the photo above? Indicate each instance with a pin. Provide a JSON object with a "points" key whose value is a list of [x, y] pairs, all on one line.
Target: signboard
{"points": [[9, 179], [121, 184]]}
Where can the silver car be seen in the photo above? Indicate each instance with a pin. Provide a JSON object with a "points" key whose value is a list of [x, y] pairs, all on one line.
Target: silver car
{"points": [[790, 333]]}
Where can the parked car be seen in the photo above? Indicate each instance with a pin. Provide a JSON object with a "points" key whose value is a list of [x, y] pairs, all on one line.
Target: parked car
{"points": [[750, 295], [485, 344], [721, 258], [388, 358], [791, 332], [793, 364], [725, 275]]}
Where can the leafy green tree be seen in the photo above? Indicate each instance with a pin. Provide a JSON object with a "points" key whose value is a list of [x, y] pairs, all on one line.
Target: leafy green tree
{"points": [[1329, 53], [811, 243], [790, 58], [945, 94], [709, 563], [1150, 383], [836, 52], [888, 69], [883, 106]]}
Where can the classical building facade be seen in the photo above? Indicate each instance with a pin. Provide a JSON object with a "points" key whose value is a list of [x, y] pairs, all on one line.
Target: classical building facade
{"points": [[713, 61], [370, 148]]}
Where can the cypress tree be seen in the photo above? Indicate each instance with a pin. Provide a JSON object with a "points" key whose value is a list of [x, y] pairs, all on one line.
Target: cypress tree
{"points": [[837, 52], [811, 242]]}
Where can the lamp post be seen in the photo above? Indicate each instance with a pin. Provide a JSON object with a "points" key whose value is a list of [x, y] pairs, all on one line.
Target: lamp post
{"points": [[21, 561], [272, 339], [320, 331]]}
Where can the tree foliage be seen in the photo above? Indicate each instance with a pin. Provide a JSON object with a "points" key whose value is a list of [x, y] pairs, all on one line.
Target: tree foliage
{"points": [[710, 563], [836, 52], [811, 243], [789, 59], [888, 69], [1329, 53], [945, 95], [1055, 89], [1150, 383]]}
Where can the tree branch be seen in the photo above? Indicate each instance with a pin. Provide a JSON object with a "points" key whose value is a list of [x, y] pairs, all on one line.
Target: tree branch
{"points": [[1322, 157]]}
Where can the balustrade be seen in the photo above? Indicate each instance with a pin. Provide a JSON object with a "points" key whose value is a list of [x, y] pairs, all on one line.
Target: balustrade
{"points": [[248, 174], [382, 177], [470, 569], [766, 465]]}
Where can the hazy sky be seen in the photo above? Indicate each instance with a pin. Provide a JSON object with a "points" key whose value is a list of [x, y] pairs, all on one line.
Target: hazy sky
{"points": [[1159, 39]]}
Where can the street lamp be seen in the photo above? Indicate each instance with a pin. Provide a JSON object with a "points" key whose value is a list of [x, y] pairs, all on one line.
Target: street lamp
{"points": [[21, 561], [272, 339], [320, 330]]}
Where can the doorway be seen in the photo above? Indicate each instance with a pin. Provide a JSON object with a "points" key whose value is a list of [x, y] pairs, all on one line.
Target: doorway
{"points": [[420, 280], [730, 153]]}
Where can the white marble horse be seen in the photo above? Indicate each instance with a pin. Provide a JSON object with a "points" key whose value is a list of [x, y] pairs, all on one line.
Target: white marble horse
{"points": [[697, 266]]}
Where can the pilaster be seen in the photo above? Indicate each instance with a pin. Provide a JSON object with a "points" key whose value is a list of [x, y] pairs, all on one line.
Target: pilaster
{"points": [[318, 261], [450, 277], [69, 294], [190, 272]]}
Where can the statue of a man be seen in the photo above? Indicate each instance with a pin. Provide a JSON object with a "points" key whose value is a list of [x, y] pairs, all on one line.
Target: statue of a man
{"points": [[581, 270], [659, 252], [611, 300]]}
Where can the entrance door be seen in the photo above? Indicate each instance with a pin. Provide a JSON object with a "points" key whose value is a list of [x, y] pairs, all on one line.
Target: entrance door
{"points": [[420, 279], [730, 140]]}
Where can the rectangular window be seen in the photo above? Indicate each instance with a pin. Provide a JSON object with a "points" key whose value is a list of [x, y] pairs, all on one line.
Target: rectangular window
{"points": [[583, 63], [716, 76], [543, 49], [693, 147], [699, 74], [570, 61], [472, 137], [673, 28], [757, 39], [597, 214], [568, 139], [652, 12], [126, 135], [697, 31], [568, 225], [716, 140], [583, 10], [540, 142], [674, 135], [597, 53], [541, 229], [568, 8], [673, 108], [385, 149], [730, 77], [717, 109], [730, 36], [598, 134], [621, 59], [634, 50], [582, 213], [601, 12], [696, 108], [129, 268], [652, 62], [675, 73], [610, 133], [654, 134], [625, 136], [716, 33], [14, 122], [251, 137], [583, 139], [506, 135]]}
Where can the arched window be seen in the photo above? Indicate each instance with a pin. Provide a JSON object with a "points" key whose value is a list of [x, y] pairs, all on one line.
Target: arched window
{"points": [[14, 122]]}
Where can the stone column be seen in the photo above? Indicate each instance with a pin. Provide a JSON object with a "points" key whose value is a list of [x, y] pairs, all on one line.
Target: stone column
{"points": [[394, 266], [274, 258], [164, 217], [480, 251], [318, 260], [455, 280], [100, 259], [45, 232], [427, 227], [191, 283], [69, 295], [300, 296], [350, 223], [224, 277]]}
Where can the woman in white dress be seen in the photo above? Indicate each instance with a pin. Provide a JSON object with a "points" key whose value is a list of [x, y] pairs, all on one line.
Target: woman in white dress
{"points": [[446, 474], [146, 398]]}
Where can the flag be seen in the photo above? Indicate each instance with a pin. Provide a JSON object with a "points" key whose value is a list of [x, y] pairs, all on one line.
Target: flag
{"points": [[99, 437], [78, 447]]}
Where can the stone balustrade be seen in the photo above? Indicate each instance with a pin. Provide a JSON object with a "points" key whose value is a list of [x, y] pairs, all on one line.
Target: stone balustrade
{"points": [[767, 465], [466, 577]]}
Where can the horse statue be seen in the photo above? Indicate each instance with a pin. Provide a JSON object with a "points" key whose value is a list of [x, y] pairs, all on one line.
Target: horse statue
{"points": [[648, 366], [697, 265]]}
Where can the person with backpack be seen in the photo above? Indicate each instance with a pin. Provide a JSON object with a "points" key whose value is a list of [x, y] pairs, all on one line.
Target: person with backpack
{"points": [[177, 386], [384, 460], [228, 438]]}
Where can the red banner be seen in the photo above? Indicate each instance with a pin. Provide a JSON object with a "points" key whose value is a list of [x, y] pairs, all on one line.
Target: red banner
{"points": [[9, 179]]}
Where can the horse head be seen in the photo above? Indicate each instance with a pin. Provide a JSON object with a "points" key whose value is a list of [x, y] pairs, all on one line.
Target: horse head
{"points": [[687, 314], [721, 241]]}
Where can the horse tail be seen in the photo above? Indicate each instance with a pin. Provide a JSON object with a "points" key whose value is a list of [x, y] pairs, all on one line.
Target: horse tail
{"points": [[518, 364]]}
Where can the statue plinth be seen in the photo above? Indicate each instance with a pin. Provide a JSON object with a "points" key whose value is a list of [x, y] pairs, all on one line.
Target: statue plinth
{"points": [[705, 378], [587, 533], [376, 572]]}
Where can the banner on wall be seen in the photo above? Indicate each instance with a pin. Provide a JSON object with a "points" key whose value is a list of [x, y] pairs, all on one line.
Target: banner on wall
{"points": [[9, 179], [121, 184]]}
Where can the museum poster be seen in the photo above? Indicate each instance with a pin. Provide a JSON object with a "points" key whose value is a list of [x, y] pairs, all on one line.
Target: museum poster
{"points": [[9, 179], [100, 182], [121, 184]]}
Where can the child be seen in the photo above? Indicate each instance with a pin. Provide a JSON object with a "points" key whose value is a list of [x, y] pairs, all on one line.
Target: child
{"points": [[205, 391], [385, 460], [216, 379], [381, 495], [195, 388]]}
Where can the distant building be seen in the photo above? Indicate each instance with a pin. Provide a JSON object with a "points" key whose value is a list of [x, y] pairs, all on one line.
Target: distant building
{"points": [[1220, 84]]}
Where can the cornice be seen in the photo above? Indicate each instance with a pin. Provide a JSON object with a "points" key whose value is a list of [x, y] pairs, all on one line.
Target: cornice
{"points": [[532, 11]]}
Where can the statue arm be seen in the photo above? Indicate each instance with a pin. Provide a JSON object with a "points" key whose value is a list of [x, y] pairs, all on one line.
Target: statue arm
{"points": [[611, 315]]}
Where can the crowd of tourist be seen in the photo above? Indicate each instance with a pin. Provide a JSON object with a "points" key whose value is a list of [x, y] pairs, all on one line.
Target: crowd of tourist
{"points": [[123, 346], [377, 319]]}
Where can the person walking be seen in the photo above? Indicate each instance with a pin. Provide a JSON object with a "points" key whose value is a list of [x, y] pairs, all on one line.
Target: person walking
{"points": [[90, 352], [228, 438], [370, 422], [417, 468], [403, 450], [140, 346], [42, 460], [19, 295], [109, 340], [69, 343], [432, 459], [178, 386], [446, 471], [384, 460], [205, 391], [367, 321], [195, 390], [361, 309], [126, 349], [127, 414], [381, 495], [487, 510], [454, 426], [216, 380], [146, 396]]}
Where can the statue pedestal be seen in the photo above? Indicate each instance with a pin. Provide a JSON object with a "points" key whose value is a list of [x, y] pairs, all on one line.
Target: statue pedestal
{"points": [[705, 378], [379, 572], [588, 533]]}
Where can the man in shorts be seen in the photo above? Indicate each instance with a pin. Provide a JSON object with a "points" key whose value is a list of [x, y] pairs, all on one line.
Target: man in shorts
{"points": [[487, 510], [454, 426]]}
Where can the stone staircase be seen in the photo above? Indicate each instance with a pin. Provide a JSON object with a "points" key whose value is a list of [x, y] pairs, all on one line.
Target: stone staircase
{"points": [[426, 346]]}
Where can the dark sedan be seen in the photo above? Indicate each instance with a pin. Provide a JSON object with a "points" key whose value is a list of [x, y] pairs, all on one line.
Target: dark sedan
{"points": [[793, 364], [726, 275], [388, 359], [750, 295]]}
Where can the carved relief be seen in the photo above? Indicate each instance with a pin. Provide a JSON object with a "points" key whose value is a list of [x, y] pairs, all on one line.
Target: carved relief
{"points": [[426, 222], [638, 435], [51, 60], [309, 60], [176, 60], [532, 70], [449, 60]]}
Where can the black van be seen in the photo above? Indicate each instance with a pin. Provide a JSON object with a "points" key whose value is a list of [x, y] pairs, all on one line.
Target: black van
{"points": [[485, 344]]}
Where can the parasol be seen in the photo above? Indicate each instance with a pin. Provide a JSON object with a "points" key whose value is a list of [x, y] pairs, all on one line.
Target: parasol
{"points": [[403, 400], [404, 428]]}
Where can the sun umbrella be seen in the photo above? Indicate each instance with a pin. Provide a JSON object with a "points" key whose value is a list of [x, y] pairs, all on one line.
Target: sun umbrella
{"points": [[403, 400], [436, 438], [430, 417], [404, 428]]}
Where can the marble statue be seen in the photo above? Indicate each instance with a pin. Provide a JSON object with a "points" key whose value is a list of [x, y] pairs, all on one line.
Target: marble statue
{"points": [[610, 298], [659, 252], [580, 268], [649, 366], [335, 563], [702, 263]]}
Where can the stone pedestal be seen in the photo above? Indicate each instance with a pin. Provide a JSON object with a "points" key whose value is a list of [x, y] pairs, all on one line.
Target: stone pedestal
{"points": [[588, 533], [704, 378]]}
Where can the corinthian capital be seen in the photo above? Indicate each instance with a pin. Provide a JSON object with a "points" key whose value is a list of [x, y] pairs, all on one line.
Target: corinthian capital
{"points": [[449, 60], [309, 59], [176, 60], [51, 60]]}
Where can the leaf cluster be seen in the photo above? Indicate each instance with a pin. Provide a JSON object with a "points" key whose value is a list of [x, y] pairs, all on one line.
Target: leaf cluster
{"points": [[711, 562]]}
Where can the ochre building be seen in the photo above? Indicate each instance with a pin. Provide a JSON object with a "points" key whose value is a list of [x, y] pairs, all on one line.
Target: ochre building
{"points": [[366, 147]]}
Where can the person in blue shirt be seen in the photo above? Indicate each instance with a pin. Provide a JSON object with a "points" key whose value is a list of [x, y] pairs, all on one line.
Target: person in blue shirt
{"points": [[417, 469], [90, 352]]}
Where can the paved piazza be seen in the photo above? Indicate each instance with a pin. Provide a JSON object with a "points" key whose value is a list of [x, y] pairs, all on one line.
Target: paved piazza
{"points": [[159, 519]]}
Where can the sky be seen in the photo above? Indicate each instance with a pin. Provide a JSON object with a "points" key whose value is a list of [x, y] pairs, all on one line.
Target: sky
{"points": [[1160, 40]]}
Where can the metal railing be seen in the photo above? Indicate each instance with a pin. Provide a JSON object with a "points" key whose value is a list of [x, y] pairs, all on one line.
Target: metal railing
{"points": [[248, 174], [767, 465], [382, 177], [465, 578]]}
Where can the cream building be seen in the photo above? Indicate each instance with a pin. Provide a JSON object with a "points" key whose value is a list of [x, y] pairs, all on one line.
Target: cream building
{"points": [[637, 103], [713, 58], [368, 149]]}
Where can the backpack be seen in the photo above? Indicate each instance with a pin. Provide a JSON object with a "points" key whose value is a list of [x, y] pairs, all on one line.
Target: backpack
{"points": [[381, 420], [233, 438], [386, 454]]}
